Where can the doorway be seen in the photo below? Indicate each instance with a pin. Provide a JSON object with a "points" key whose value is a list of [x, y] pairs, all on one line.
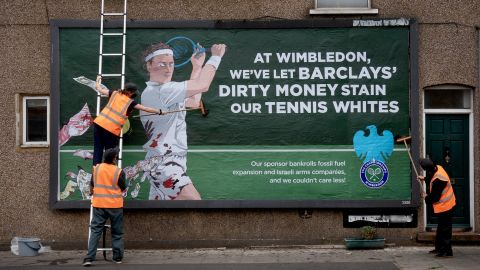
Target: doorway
{"points": [[447, 144]]}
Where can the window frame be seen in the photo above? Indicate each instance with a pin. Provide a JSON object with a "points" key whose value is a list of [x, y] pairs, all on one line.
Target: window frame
{"points": [[466, 95], [343, 10], [24, 142]]}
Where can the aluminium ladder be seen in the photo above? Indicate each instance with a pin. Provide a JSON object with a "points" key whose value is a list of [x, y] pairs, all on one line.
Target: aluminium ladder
{"points": [[113, 55], [103, 34]]}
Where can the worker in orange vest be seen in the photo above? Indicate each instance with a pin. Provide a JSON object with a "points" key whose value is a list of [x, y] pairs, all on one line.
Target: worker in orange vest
{"points": [[442, 199], [108, 124], [108, 185]]}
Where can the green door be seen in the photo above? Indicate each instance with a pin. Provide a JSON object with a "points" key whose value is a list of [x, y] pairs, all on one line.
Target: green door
{"points": [[447, 145]]}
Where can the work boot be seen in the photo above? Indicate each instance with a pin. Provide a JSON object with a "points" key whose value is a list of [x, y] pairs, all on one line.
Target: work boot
{"points": [[434, 251], [87, 262], [444, 254]]}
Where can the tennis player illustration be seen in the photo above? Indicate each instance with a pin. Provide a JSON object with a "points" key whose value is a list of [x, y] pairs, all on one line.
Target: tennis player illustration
{"points": [[167, 133]]}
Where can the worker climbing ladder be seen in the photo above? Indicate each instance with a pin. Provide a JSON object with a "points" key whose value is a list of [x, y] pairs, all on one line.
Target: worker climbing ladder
{"points": [[105, 35]]}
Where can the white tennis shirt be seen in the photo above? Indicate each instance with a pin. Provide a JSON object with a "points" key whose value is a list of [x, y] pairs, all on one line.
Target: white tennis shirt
{"points": [[168, 132]]}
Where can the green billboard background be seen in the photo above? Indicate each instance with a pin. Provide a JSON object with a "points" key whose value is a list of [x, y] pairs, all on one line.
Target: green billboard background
{"points": [[283, 110]]}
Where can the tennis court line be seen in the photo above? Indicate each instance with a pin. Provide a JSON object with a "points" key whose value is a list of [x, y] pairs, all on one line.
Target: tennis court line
{"points": [[245, 150]]}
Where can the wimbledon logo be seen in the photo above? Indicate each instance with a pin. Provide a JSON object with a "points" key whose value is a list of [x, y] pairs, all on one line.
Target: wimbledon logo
{"points": [[374, 174]]}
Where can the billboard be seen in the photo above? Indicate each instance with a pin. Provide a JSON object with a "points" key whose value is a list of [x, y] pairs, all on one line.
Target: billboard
{"points": [[298, 114]]}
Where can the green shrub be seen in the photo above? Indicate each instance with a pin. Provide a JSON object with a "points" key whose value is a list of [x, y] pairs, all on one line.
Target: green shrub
{"points": [[368, 232]]}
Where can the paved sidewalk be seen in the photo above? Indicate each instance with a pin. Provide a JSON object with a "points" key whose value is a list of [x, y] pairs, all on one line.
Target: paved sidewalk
{"points": [[275, 258]]}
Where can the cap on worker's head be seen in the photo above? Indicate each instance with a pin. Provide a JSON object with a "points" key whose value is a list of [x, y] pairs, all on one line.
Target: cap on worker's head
{"points": [[427, 164], [110, 155]]}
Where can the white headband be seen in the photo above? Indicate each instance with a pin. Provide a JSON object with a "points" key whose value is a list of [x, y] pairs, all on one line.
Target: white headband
{"points": [[158, 52]]}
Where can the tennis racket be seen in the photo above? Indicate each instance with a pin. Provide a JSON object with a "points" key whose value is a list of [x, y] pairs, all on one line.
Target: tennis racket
{"points": [[183, 49]]}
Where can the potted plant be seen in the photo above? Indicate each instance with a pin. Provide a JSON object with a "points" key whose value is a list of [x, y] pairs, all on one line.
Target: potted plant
{"points": [[368, 239]]}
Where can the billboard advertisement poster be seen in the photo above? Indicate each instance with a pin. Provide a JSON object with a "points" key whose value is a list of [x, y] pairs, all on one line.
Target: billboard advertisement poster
{"points": [[294, 117]]}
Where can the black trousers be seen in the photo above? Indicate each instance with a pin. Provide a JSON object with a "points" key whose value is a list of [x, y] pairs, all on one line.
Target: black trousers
{"points": [[443, 237], [102, 140]]}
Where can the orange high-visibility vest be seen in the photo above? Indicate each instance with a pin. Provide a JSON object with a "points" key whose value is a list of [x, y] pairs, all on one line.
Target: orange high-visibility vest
{"points": [[106, 193], [447, 200], [114, 115]]}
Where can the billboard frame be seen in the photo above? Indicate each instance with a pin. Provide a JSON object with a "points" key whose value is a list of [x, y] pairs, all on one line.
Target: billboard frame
{"points": [[56, 25]]}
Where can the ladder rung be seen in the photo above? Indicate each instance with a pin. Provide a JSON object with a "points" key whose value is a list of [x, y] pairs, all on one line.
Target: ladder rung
{"points": [[111, 75], [102, 249], [113, 34], [114, 14], [111, 54]]}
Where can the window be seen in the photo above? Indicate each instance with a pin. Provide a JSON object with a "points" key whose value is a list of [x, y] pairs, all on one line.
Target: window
{"points": [[447, 98], [343, 7], [35, 121]]}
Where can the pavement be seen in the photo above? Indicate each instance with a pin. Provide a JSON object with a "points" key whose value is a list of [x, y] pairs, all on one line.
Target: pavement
{"points": [[261, 258]]}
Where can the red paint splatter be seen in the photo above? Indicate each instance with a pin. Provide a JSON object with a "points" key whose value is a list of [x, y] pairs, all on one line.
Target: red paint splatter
{"points": [[154, 143], [168, 183]]}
